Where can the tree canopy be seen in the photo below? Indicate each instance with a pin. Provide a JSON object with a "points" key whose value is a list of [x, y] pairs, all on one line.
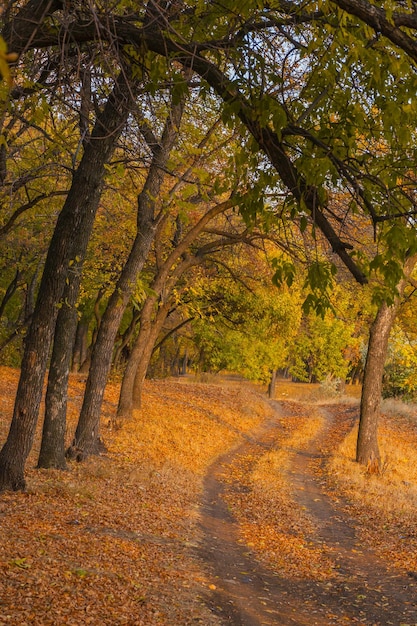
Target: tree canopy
{"points": [[326, 101]]}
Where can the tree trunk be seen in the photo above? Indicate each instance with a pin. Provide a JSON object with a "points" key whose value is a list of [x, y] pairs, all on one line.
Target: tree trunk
{"points": [[77, 213], [125, 406], [30, 299], [184, 364], [125, 339], [132, 388], [367, 449], [52, 452], [272, 384], [87, 436], [137, 366], [80, 345], [10, 291]]}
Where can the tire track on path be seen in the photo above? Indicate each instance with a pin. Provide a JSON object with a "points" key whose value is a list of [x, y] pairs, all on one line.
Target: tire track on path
{"points": [[247, 593]]}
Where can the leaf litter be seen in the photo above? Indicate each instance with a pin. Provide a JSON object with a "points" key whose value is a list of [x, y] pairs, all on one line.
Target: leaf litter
{"points": [[110, 541], [113, 541]]}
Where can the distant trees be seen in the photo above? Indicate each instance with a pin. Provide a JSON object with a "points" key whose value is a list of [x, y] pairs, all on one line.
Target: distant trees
{"points": [[244, 324], [400, 374]]}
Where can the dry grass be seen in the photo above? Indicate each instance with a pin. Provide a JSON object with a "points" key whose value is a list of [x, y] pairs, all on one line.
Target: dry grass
{"points": [[315, 393], [385, 503], [394, 490]]}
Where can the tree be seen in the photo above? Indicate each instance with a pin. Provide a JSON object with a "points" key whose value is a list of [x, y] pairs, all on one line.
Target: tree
{"points": [[333, 118], [395, 26], [319, 350], [76, 215], [288, 121], [158, 303], [367, 449], [242, 323], [86, 438]]}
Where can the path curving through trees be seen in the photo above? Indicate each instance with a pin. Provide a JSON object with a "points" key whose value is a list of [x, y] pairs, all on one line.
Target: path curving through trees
{"points": [[246, 593]]}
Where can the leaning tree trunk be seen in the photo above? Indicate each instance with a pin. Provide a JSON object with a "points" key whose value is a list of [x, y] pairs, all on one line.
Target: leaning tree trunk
{"points": [[78, 211], [138, 363], [87, 435], [52, 452], [367, 449], [125, 406], [142, 364], [132, 385]]}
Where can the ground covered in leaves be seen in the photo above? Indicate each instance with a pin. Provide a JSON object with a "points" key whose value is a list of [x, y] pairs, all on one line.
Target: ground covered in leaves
{"points": [[116, 540], [110, 541]]}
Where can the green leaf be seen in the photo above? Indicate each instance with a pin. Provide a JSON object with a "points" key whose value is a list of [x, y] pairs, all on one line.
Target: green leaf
{"points": [[303, 223]]}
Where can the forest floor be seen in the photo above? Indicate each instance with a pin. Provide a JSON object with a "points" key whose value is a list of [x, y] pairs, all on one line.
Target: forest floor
{"points": [[215, 506]]}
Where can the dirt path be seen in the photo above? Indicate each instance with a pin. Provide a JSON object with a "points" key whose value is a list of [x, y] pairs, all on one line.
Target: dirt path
{"points": [[364, 591]]}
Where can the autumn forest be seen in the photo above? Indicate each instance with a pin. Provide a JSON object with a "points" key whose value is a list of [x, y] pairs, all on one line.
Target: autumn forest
{"points": [[201, 199]]}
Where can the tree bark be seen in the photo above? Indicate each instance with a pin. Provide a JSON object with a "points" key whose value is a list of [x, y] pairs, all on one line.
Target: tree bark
{"points": [[125, 405], [87, 436], [124, 339], [132, 385], [272, 384], [80, 345], [77, 213], [367, 449], [52, 452]]}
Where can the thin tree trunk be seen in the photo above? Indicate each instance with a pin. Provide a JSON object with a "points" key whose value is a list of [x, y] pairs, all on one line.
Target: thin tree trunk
{"points": [[131, 392], [125, 339], [10, 291], [125, 406], [138, 363], [272, 384], [184, 364], [80, 345], [78, 211]]}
